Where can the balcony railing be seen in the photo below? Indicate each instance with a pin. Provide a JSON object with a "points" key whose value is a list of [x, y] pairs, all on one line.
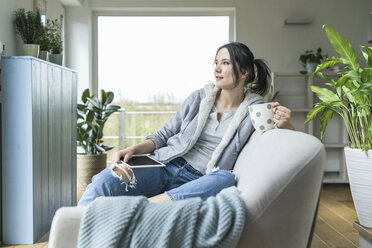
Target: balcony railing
{"points": [[122, 115]]}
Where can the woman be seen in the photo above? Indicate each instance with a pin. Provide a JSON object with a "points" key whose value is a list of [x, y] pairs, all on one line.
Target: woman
{"points": [[201, 143]]}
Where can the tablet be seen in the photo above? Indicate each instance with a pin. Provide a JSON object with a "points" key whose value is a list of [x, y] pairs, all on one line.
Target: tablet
{"points": [[143, 161]]}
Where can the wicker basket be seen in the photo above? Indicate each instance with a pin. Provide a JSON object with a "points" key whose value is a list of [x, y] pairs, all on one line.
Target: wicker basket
{"points": [[87, 167]]}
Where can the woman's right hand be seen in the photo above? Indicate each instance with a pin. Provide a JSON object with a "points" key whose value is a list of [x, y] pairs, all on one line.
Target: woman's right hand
{"points": [[124, 155]]}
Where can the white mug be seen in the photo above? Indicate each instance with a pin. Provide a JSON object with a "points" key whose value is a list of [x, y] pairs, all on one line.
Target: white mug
{"points": [[262, 116]]}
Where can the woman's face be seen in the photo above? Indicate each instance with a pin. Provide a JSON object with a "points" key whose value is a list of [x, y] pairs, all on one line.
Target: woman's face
{"points": [[223, 70]]}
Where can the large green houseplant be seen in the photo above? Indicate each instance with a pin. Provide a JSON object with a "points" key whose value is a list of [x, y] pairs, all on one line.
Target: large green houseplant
{"points": [[92, 115], [352, 100], [29, 27]]}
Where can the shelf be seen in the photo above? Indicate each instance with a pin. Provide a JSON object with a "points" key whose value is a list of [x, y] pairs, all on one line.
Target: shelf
{"points": [[300, 110], [334, 180], [298, 74], [335, 145], [297, 101], [295, 94], [290, 74]]}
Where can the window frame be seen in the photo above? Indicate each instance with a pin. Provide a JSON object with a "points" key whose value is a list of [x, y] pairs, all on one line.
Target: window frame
{"points": [[150, 12]]}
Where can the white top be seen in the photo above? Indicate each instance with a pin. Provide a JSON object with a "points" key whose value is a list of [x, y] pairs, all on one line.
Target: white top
{"points": [[200, 154]]}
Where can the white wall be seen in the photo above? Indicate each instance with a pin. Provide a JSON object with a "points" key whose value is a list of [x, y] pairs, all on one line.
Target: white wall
{"points": [[259, 24], [54, 9], [78, 39], [7, 32]]}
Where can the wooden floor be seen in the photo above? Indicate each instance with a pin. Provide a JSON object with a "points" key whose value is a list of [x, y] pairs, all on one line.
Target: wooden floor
{"points": [[334, 226]]}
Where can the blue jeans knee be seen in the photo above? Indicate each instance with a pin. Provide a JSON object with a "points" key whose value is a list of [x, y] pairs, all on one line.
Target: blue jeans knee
{"points": [[151, 182], [102, 185], [203, 187]]}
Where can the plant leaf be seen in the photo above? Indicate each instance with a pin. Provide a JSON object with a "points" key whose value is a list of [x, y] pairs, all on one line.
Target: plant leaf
{"points": [[99, 148], [99, 104], [107, 148], [90, 117], [366, 75], [324, 94], [343, 47], [330, 81], [330, 62], [313, 113], [340, 83], [319, 74], [110, 97], [80, 124], [113, 108], [94, 102], [353, 75], [85, 95], [81, 107], [103, 97], [367, 54], [324, 118], [99, 131]]}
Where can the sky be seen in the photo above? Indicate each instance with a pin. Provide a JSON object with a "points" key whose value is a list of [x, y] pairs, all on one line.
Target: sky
{"points": [[143, 58]]}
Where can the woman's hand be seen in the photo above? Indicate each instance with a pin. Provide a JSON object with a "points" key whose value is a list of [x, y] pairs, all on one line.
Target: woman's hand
{"points": [[282, 115], [146, 146], [124, 155]]}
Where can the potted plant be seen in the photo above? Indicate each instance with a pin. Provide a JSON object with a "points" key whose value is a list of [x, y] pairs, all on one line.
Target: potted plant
{"points": [[28, 25], [55, 39], [45, 41], [352, 100], [311, 60], [92, 116]]}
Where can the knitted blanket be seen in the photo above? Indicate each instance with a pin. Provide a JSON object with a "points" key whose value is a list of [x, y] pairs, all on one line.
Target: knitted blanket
{"points": [[131, 221]]}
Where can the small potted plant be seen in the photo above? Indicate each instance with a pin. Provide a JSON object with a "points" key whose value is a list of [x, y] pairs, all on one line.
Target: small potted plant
{"points": [[45, 44], [352, 100], [92, 116], [311, 60], [29, 27], [55, 38]]}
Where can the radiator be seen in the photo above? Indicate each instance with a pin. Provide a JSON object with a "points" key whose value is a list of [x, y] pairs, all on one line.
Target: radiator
{"points": [[38, 145]]}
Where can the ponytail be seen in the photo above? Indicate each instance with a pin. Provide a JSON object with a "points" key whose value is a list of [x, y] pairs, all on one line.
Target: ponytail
{"points": [[261, 77]]}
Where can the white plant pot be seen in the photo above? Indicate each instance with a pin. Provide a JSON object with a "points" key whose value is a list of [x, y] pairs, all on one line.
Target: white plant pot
{"points": [[311, 67], [31, 50], [359, 168]]}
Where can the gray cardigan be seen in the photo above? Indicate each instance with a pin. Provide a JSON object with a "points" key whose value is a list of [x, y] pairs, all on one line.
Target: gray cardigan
{"points": [[182, 131]]}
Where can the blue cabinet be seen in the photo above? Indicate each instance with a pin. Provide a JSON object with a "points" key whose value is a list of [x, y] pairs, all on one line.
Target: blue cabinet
{"points": [[38, 145]]}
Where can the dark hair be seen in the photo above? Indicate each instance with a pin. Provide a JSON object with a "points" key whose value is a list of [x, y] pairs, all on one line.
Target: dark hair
{"points": [[242, 57]]}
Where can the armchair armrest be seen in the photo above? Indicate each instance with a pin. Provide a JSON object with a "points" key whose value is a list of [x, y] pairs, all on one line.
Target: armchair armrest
{"points": [[280, 174]]}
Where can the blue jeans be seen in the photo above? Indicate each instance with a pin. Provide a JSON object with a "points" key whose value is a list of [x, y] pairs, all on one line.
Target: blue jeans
{"points": [[178, 179]]}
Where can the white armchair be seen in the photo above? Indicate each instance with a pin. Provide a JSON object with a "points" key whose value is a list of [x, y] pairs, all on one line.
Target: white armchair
{"points": [[280, 174]]}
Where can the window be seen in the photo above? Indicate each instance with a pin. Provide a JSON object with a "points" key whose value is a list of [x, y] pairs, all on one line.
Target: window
{"points": [[152, 63], [152, 58]]}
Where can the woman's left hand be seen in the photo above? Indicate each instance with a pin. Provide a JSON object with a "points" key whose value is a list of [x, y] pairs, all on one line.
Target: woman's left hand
{"points": [[282, 115]]}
